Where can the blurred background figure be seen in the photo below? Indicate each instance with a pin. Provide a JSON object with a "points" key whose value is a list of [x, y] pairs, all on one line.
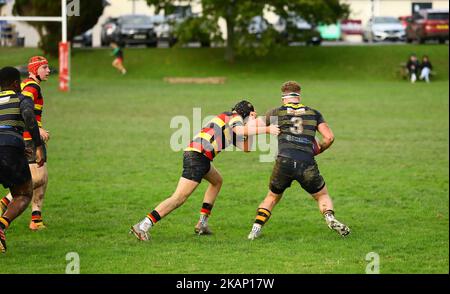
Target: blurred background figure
{"points": [[413, 67], [118, 58], [426, 69]]}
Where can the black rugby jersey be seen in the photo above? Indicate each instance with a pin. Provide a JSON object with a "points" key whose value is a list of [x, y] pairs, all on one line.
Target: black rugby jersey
{"points": [[298, 125]]}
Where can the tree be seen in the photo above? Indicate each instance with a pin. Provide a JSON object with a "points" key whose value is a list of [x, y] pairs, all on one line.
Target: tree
{"points": [[50, 32], [238, 15]]}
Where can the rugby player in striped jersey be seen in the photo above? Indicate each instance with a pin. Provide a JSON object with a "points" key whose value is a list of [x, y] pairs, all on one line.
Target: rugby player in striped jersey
{"points": [[31, 87], [225, 129], [16, 115], [39, 71], [297, 147]]}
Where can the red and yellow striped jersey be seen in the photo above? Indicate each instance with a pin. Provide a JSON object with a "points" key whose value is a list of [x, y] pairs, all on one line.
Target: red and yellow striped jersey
{"points": [[30, 88], [216, 135]]}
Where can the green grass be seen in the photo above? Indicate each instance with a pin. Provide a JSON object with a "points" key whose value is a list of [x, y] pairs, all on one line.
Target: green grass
{"points": [[110, 163]]}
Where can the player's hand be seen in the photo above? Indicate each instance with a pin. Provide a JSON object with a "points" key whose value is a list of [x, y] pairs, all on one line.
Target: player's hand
{"points": [[40, 156], [274, 130], [45, 135]]}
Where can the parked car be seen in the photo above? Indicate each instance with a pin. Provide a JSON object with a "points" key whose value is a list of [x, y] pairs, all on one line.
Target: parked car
{"points": [[199, 30], [404, 20], [183, 26], [163, 29], [84, 39], [428, 24], [294, 29], [384, 28], [299, 30], [166, 26], [257, 26], [134, 29], [107, 31]]}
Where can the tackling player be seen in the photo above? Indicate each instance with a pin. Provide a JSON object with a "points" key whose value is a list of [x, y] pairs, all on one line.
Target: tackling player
{"points": [[222, 131], [296, 150], [31, 87]]}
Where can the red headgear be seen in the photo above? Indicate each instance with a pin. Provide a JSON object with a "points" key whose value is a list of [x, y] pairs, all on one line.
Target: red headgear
{"points": [[36, 62]]}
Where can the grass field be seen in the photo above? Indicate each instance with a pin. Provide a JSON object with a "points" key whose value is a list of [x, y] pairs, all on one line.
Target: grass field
{"points": [[110, 163]]}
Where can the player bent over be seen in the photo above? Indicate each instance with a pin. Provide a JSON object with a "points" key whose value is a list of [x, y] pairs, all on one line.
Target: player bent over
{"points": [[296, 150], [16, 114], [223, 130]]}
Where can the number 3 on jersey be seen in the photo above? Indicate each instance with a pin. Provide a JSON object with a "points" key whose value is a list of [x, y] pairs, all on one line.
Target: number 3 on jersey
{"points": [[297, 127]]}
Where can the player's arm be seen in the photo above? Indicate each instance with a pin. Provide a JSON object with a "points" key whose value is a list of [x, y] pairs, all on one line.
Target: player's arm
{"points": [[250, 130], [327, 136], [27, 112], [245, 144], [258, 126]]}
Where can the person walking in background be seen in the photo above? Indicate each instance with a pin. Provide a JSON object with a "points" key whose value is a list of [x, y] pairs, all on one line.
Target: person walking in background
{"points": [[118, 58], [413, 68], [426, 68]]}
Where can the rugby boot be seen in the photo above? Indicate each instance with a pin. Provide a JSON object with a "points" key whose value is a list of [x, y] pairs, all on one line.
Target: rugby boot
{"points": [[255, 232], [139, 233], [338, 227], [202, 229], [37, 226]]}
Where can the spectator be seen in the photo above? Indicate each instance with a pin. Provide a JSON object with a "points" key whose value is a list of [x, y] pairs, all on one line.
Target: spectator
{"points": [[426, 68], [413, 68]]}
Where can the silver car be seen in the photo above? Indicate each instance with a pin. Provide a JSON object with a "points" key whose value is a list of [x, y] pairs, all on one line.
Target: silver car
{"points": [[384, 28]]}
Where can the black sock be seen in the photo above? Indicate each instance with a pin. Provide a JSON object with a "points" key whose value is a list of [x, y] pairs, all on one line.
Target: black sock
{"points": [[262, 216], [206, 209], [154, 216]]}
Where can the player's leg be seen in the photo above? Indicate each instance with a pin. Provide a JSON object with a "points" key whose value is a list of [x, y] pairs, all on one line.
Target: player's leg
{"points": [[263, 213], [15, 174], [327, 210], [280, 180], [184, 189], [21, 199], [215, 183], [40, 180], [195, 167], [312, 182]]}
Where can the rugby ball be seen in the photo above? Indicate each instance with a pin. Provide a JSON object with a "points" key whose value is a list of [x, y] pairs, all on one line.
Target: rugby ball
{"points": [[316, 147]]}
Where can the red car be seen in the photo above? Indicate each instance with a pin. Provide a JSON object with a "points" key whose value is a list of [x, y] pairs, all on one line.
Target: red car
{"points": [[428, 24]]}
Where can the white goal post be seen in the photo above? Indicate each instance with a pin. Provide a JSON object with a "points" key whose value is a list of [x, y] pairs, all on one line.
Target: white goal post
{"points": [[64, 46]]}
